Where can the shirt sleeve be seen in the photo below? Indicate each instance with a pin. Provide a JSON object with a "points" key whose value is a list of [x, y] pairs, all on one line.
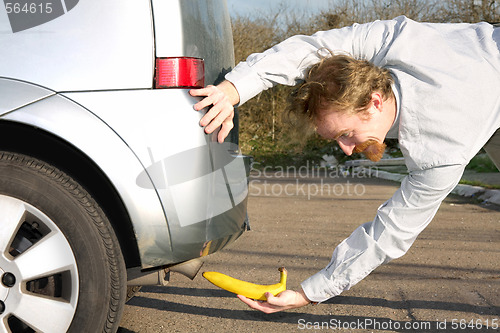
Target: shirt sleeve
{"points": [[287, 62], [398, 223]]}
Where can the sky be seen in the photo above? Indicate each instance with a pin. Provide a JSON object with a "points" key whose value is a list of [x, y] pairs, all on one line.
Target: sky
{"points": [[249, 7]]}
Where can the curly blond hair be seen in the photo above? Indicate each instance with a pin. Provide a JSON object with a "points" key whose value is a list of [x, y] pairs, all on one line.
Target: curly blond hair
{"points": [[338, 82]]}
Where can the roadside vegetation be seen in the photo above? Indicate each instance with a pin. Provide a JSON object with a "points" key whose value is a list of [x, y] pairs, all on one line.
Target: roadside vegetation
{"points": [[264, 131], [482, 163]]}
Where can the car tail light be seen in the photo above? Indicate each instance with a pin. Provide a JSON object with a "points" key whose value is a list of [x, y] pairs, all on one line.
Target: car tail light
{"points": [[181, 72]]}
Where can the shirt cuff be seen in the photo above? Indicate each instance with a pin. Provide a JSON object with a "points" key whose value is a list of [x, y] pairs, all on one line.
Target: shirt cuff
{"points": [[316, 287], [246, 81]]}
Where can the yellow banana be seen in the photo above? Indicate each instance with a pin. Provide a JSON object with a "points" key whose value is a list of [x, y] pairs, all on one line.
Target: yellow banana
{"points": [[247, 289]]}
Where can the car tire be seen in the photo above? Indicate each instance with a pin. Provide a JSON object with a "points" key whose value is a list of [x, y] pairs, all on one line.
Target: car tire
{"points": [[60, 263]]}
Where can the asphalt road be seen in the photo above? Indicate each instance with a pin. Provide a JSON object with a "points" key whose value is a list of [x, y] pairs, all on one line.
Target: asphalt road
{"points": [[449, 279]]}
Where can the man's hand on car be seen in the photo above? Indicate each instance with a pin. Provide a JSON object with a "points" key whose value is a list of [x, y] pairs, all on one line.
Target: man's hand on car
{"points": [[222, 98]]}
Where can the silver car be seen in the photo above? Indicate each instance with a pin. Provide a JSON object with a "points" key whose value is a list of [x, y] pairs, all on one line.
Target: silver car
{"points": [[107, 181]]}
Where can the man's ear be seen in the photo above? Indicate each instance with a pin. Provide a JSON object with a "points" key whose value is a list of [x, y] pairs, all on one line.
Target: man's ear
{"points": [[374, 106], [377, 101]]}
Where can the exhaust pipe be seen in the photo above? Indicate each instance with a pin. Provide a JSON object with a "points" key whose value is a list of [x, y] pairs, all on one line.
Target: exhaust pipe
{"points": [[188, 268], [136, 277]]}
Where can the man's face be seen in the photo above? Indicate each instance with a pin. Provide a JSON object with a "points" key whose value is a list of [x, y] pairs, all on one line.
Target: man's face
{"points": [[359, 133]]}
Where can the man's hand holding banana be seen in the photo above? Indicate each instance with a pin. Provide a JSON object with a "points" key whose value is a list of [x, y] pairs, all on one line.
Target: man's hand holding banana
{"points": [[288, 299], [265, 298]]}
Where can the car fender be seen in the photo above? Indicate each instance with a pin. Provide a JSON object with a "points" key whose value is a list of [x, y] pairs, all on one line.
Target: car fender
{"points": [[78, 126]]}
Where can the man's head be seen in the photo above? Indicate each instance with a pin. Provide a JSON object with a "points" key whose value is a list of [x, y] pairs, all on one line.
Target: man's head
{"points": [[350, 101]]}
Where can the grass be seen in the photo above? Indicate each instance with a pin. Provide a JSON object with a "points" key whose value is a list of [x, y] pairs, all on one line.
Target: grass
{"points": [[482, 163], [478, 183]]}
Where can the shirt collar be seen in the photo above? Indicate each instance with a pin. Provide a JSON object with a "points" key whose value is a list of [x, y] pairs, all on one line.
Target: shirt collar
{"points": [[394, 130]]}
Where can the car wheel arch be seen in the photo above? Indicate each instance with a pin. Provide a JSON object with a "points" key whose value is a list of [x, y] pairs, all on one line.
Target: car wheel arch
{"points": [[78, 165], [92, 136]]}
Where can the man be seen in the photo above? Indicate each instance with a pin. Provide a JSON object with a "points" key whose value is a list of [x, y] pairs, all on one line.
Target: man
{"points": [[443, 105]]}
